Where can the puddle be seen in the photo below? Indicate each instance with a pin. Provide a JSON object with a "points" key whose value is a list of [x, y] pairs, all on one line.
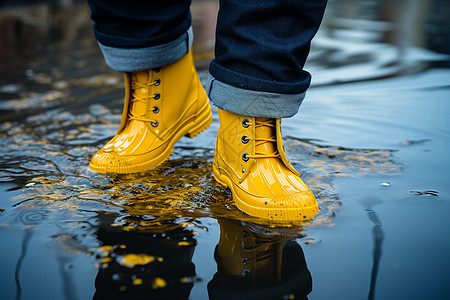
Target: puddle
{"points": [[371, 140]]}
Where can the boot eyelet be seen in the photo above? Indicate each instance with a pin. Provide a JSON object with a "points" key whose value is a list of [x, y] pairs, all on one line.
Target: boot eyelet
{"points": [[245, 123], [157, 81], [156, 96], [245, 156], [155, 109], [245, 272], [155, 124], [244, 260], [245, 139]]}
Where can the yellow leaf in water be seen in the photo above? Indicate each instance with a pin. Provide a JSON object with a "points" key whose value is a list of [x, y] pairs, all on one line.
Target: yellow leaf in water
{"points": [[105, 250], [106, 260], [183, 243], [132, 260], [158, 283], [128, 228]]}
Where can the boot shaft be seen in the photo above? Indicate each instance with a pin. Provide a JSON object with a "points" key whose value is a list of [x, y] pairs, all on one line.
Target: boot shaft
{"points": [[161, 106], [241, 138], [164, 95]]}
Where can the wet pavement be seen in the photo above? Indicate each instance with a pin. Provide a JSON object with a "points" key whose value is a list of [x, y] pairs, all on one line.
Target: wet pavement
{"points": [[371, 140]]}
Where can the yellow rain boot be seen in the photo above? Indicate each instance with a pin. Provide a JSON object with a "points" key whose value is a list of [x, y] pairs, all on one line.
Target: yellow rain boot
{"points": [[249, 251], [251, 161], [161, 106], [252, 263]]}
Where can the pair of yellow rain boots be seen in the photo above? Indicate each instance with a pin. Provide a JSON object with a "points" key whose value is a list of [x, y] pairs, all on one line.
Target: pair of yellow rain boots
{"points": [[162, 105]]}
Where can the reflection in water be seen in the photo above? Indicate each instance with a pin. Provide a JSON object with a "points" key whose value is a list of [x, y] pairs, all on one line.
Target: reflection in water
{"points": [[69, 289], [59, 102], [255, 263], [153, 260], [378, 237], [26, 240], [30, 218], [154, 264], [135, 259]]}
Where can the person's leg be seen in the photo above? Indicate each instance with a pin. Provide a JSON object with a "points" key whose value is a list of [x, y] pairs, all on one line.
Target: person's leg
{"points": [[139, 35], [260, 51], [257, 78], [150, 41]]}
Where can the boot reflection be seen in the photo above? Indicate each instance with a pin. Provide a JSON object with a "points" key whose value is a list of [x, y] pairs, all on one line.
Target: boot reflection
{"points": [[145, 265], [254, 264]]}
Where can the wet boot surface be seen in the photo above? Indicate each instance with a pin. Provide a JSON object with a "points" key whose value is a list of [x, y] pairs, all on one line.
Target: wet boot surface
{"points": [[371, 141]]}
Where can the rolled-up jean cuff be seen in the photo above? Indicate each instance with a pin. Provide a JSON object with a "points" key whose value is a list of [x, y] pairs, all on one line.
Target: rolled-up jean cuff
{"points": [[252, 103], [138, 59]]}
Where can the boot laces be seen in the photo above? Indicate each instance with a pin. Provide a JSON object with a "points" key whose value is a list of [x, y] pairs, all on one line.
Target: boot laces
{"points": [[260, 141], [136, 85]]}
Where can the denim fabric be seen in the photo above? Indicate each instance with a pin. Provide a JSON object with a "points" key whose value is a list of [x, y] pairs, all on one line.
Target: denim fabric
{"points": [[260, 52], [137, 23], [253, 103], [262, 45], [136, 59]]}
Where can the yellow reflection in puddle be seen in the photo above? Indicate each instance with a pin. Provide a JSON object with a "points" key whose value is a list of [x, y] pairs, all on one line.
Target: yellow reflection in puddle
{"points": [[131, 260]]}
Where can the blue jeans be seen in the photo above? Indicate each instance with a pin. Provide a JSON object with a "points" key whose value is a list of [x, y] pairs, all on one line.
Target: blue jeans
{"points": [[260, 52]]}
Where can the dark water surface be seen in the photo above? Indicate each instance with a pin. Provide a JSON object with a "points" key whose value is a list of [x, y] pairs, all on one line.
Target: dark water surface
{"points": [[371, 139]]}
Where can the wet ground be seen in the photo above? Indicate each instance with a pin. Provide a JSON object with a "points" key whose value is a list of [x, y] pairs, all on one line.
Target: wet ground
{"points": [[371, 139]]}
